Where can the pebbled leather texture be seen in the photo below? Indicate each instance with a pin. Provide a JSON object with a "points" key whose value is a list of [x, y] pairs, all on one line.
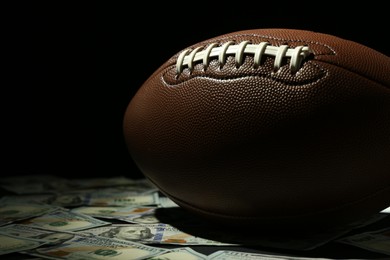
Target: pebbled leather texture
{"points": [[255, 146]]}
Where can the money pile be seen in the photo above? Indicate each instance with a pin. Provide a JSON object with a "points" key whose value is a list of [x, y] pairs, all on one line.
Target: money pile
{"points": [[49, 217]]}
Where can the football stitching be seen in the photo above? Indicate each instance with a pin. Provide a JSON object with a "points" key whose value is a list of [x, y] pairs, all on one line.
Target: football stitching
{"points": [[304, 42], [211, 43], [188, 57]]}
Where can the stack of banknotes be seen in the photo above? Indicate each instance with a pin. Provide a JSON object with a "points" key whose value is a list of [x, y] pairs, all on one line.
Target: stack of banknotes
{"points": [[49, 217]]}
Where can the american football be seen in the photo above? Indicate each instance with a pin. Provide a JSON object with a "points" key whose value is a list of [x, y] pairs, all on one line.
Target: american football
{"points": [[271, 128]]}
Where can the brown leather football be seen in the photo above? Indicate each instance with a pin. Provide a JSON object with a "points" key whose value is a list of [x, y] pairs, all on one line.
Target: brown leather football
{"points": [[271, 128]]}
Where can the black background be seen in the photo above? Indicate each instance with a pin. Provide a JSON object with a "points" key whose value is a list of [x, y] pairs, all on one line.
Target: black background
{"points": [[71, 69]]}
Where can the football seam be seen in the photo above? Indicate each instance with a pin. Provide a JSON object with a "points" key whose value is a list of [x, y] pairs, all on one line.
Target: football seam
{"points": [[323, 74], [269, 76]]}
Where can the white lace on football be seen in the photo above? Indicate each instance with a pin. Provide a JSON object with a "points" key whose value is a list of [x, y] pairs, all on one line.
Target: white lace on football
{"points": [[189, 58]]}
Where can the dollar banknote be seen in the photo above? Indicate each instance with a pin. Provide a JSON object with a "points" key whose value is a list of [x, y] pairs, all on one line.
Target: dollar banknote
{"points": [[64, 220], [121, 199], [386, 210], [183, 253], [166, 202], [104, 199], [28, 232], [151, 234], [93, 247], [376, 241], [10, 244], [11, 212], [237, 255], [132, 214]]}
